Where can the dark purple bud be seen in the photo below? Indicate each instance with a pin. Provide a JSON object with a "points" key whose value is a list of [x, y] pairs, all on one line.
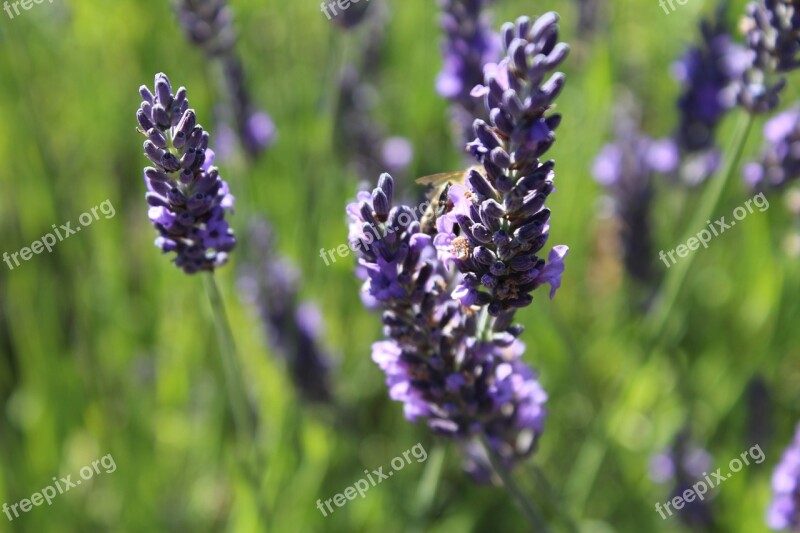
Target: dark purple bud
{"points": [[144, 121], [501, 120], [176, 197], [500, 158], [481, 233], [386, 184], [187, 122], [479, 184], [156, 200], [484, 256], [154, 174], [498, 269], [147, 96], [170, 162], [522, 263], [153, 152], [188, 160], [158, 138], [380, 204], [161, 117], [163, 89]]}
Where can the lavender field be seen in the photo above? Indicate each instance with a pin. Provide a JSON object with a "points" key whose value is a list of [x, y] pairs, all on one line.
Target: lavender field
{"points": [[440, 266]]}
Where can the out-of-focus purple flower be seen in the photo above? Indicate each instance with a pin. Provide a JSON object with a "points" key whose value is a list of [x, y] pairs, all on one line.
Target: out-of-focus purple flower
{"points": [[255, 127], [706, 72], [683, 465], [359, 139], [784, 510], [437, 362], [294, 328], [469, 44], [188, 200], [772, 33], [759, 422], [625, 169], [209, 25], [397, 154], [780, 162], [498, 235], [588, 16]]}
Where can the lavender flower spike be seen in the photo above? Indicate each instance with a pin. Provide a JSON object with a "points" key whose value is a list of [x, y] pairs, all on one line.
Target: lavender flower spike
{"points": [[784, 510], [469, 44], [209, 25], [293, 327], [705, 72], [780, 162], [772, 29], [499, 222], [625, 169], [188, 200], [436, 363]]}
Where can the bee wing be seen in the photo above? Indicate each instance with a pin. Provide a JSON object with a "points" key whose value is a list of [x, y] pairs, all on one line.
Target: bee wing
{"points": [[440, 179]]}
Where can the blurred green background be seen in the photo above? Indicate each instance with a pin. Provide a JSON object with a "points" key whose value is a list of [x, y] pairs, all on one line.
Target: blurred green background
{"points": [[105, 347]]}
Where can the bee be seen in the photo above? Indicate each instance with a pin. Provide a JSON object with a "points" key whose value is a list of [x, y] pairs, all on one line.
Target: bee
{"points": [[439, 187]]}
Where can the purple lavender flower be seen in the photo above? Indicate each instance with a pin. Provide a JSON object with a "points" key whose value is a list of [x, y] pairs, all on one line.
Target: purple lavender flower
{"points": [[784, 510], [499, 222], [435, 358], [772, 30], [188, 199], [209, 25], [625, 169], [293, 327], [780, 162], [683, 465], [469, 44], [706, 72], [588, 16]]}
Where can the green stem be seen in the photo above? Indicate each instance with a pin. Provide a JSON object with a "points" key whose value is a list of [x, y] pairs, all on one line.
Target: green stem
{"points": [[676, 277], [527, 507], [233, 377], [245, 429], [428, 485]]}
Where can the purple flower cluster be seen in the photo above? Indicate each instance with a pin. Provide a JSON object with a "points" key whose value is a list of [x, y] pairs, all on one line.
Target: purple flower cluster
{"points": [[784, 510], [293, 327], [437, 360], [682, 466], [780, 162], [361, 141], [209, 25], [188, 199], [449, 292], [706, 72], [625, 169], [470, 43], [499, 223], [772, 29]]}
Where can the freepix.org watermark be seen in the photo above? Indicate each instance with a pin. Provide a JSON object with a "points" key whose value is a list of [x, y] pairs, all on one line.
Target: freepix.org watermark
{"points": [[24, 4], [719, 226], [62, 232], [360, 487], [403, 220], [59, 486], [699, 490], [342, 4]]}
